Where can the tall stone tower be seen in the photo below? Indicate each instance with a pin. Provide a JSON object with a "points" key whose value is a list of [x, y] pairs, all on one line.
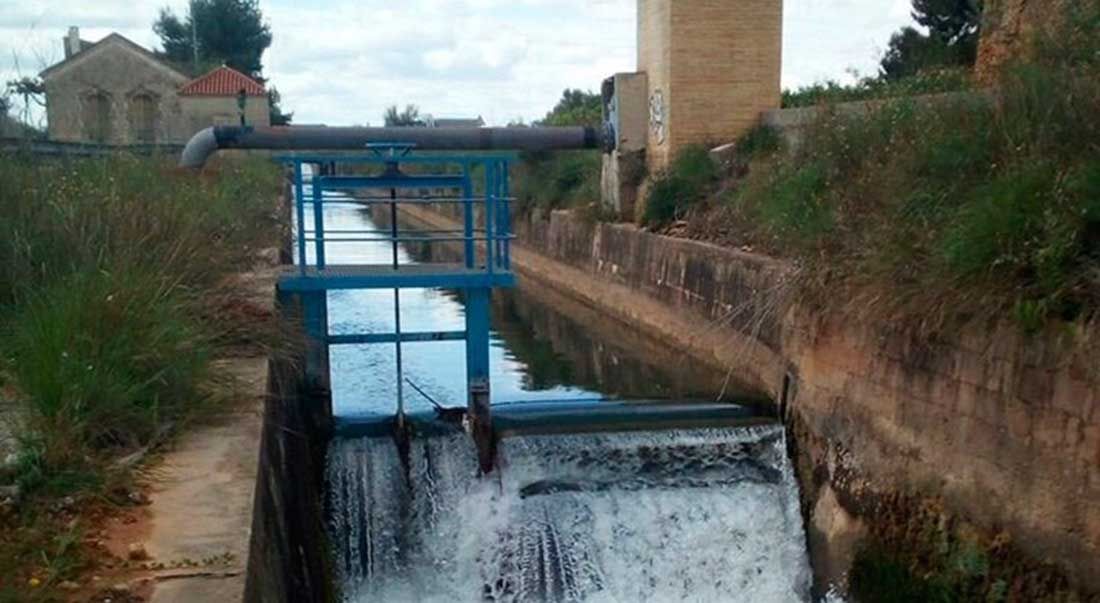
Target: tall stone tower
{"points": [[712, 67]]}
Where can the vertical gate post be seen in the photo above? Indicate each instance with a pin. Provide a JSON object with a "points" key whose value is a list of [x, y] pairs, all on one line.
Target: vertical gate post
{"points": [[315, 321], [477, 375]]}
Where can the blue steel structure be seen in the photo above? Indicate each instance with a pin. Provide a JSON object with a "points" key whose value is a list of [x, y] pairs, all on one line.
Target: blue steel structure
{"points": [[486, 259]]}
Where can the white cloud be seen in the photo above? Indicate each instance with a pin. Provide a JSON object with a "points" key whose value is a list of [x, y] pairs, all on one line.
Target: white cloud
{"points": [[344, 61]]}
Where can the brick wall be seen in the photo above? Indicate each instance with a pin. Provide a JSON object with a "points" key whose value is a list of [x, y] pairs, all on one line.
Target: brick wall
{"points": [[715, 63], [726, 61]]}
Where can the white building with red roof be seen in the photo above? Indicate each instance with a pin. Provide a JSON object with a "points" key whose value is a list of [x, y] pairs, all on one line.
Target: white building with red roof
{"points": [[115, 92], [214, 99]]}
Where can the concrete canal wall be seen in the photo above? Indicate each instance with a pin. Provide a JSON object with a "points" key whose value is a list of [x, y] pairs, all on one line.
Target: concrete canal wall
{"points": [[288, 556], [987, 432]]}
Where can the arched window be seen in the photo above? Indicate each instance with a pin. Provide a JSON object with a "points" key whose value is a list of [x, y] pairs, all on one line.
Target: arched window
{"points": [[97, 117], [143, 118]]}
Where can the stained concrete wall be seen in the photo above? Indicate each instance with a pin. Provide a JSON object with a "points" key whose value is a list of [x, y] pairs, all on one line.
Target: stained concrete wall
{"points": [[1002, 429], [288, 556]]}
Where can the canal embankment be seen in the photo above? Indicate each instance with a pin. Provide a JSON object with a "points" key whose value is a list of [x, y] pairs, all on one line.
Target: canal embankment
{"points": [[981, 445]]}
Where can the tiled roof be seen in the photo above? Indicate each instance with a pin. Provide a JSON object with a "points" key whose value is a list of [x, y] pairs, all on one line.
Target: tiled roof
{"points": [[223, 81]]}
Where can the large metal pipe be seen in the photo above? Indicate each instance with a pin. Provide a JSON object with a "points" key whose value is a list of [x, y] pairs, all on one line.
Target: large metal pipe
{"points": [[321, 138]]}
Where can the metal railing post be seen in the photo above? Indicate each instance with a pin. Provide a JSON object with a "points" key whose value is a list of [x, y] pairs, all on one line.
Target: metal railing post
{"points": [[506, 218], [319, 221], [300, 214], [490, 201], [468, 216]]}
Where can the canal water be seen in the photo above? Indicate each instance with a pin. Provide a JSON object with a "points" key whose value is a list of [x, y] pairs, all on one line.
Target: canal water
{"points": [[699, 515]]}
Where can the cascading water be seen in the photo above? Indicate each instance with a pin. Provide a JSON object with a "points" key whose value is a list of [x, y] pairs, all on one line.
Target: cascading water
{"points": [[700, 515]]}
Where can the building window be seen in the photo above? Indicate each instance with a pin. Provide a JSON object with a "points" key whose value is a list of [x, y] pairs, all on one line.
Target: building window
{"points": [[97, 117], [143, 118]]}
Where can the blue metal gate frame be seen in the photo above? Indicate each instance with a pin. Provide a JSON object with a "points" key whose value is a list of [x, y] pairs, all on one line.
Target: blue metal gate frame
{"points": [[486, 257]]}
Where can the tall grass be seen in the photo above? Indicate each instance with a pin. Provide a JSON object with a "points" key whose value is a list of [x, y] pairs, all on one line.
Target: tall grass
{"points": [[959, 208], [108, 269], [555, 180]]}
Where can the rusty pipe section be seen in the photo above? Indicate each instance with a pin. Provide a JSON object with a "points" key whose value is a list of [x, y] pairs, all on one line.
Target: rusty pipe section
{"points": [[321, 138]]}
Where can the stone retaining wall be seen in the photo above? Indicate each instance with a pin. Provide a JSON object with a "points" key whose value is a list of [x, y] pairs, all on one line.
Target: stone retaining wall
{"points": [[1002, 429]]}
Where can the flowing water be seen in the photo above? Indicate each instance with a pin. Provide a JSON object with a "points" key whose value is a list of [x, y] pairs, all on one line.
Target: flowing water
{"points": [[699, 515]]}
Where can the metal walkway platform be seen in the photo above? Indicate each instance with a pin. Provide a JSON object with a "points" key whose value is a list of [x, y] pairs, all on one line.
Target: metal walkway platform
{"points": [[406, 276]]}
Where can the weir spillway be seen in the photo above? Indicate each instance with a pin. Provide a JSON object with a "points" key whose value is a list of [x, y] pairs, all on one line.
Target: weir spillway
{"points": [[694, 513], [700, 515]]}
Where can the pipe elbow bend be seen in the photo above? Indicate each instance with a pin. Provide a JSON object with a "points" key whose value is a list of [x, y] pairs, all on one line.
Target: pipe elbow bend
{"points": [[201, 146]]}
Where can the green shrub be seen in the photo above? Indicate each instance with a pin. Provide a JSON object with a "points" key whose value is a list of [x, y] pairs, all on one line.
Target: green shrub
{"points": [[557, 180], [687, 181], [796, 207], [668, 197], [998, 224], [934, 81], [761, 140]]}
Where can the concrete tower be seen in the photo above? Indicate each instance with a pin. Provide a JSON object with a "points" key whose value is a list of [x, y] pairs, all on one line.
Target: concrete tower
{"points": [[712, 67]]}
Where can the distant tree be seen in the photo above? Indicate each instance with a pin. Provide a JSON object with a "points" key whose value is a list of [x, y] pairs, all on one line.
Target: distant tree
{"points": [[954, 28], [228, 31], [31, 90], [278, 118], [953, 21], [5, 104], [409, 117], [576, 108]]}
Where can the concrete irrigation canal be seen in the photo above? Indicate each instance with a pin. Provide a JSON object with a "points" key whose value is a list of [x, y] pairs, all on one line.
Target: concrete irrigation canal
{"points": [[688, 337], [595, 495]]}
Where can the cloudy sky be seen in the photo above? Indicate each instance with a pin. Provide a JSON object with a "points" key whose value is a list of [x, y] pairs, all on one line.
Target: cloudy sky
{"points": [[344, 61]]}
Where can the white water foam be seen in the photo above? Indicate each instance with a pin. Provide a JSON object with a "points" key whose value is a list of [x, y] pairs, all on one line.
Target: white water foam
{"points": [[699, 515]]}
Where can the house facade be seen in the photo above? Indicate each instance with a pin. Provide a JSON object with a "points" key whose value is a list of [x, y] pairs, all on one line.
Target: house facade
{"points": [[213, 100], [115, 92]]}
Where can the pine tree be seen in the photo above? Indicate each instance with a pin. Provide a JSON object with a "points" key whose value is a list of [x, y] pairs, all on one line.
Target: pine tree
{"points": [[954, 28], [227, 31]]}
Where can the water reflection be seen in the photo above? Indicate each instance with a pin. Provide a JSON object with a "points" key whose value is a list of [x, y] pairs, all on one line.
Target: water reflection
{"points": [[543, 346]]}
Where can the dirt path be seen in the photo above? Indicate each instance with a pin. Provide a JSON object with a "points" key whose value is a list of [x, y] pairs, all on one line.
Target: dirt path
{"points": [[190, 542]]}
